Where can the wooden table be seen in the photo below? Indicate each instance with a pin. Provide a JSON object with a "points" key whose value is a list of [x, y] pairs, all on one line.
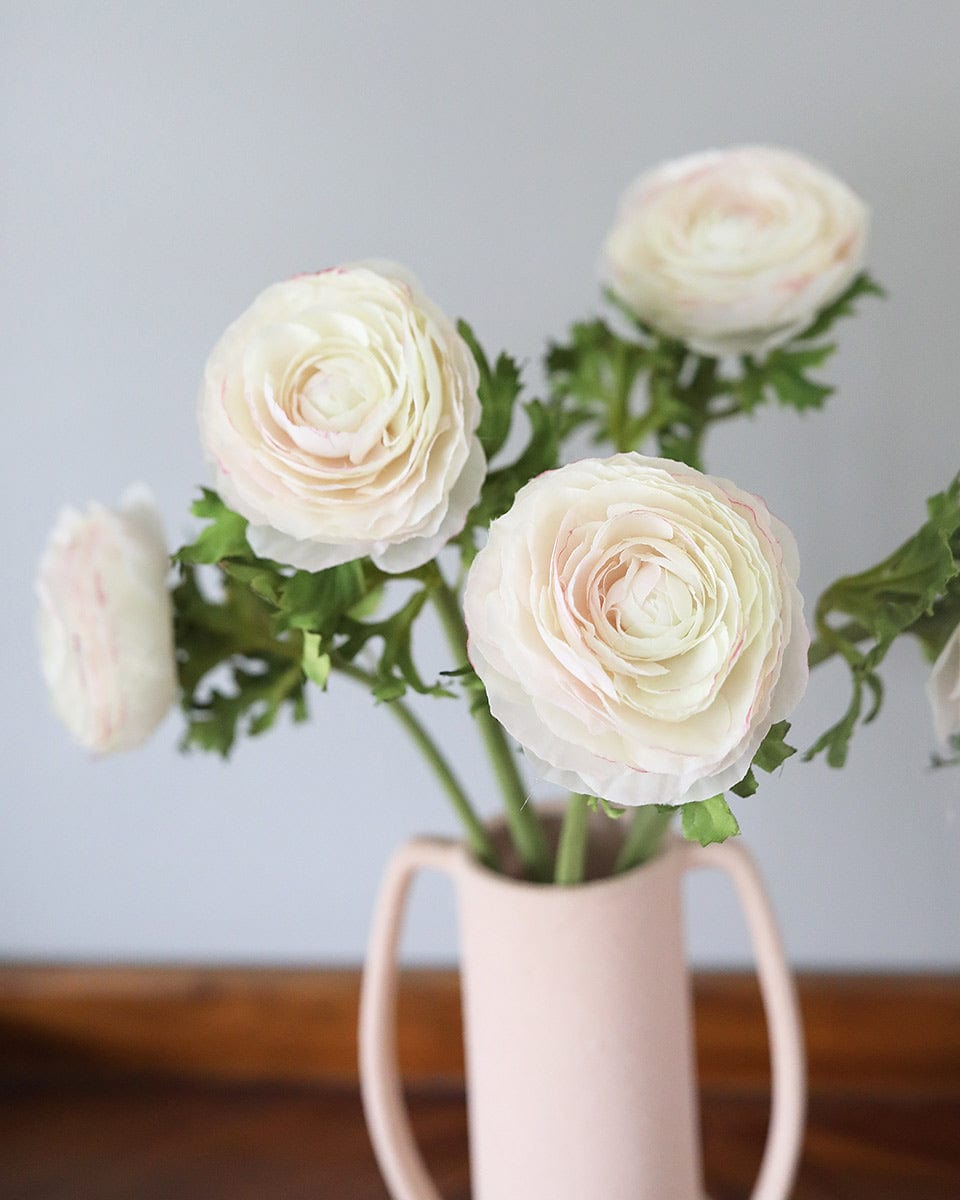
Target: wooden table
{"points": [[159, 1084], [129, 1140]]}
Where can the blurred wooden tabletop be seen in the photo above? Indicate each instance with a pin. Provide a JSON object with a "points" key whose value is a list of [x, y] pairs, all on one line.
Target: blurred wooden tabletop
{"points": [[199, 1085], [168, 1141]]}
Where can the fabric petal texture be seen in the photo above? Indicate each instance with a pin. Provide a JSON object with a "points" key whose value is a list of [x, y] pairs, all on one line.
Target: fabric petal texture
{"points": [[339, 414], [638, 628], [106, 623], [735, 251]]}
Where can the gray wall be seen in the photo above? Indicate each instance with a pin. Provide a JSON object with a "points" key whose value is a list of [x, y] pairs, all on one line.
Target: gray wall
{"points": [[162, 163]]}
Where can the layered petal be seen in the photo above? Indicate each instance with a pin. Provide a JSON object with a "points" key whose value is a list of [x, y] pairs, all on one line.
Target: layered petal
{"points": [[735, 251], [339, 412], [638, 628], [106, 623]]}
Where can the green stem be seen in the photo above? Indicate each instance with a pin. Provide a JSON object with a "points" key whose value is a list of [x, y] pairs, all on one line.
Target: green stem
{"points": [[477, 835], [572, 851], [698, 394], [522, 821], [647, 828], [626, 376], [823, 649]]}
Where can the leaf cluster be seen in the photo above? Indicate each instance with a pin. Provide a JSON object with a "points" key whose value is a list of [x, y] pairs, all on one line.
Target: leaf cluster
{"points": [[549, 424], [245, 653], [235, 675], [598, 371], [914, 590]]}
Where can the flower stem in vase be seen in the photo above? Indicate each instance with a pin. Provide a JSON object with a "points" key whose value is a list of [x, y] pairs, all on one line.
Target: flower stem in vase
{"points": [[478, 837], [522, 820], [647, 827], [572, 851]]}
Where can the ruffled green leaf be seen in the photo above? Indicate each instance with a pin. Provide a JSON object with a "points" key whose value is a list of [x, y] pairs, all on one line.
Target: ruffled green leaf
{"points": [[774, 750], [224, 537], [235, 673], [747, 786], [843, 306], [498, 390], [915, 590], [708, 821], [317, 600], [601, 373], [315, 660]]}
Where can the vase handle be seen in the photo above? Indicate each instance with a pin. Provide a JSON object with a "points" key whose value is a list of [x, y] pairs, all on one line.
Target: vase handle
{"points": [[788, 1101], [380, 1085]]}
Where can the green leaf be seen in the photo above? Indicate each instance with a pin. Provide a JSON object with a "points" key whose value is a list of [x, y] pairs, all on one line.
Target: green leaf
{"points": [[315, 661], [796, 391], [262, 578], [707, 821], [389, 689], [750, 389], [252, 706], [843, 306], [234, 672], [596, 371], [784, 371], [498, 391], [368, 605], [747, 786], [902, 594], [549, 425], [774, 750], [836, 740], [224, 537], [316, 600], [541, 454]]}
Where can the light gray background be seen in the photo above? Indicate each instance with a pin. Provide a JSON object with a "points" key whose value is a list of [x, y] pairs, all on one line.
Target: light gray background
{"points": [[163, 163]]}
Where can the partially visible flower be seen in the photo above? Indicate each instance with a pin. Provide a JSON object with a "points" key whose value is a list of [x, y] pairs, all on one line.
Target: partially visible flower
{"points": [[339, 411], [638, 628], [943, 690], [106, 623], [735, 251]]}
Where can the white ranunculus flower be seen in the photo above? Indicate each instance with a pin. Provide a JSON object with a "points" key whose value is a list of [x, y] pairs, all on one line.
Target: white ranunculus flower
{"points": [[735, 251], [339, 411], [106, 623], [638, 628], [943, 689]]}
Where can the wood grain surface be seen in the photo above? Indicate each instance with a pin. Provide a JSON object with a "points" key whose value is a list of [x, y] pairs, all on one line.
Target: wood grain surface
{"points": [[257, 1025], [194, 1084]]}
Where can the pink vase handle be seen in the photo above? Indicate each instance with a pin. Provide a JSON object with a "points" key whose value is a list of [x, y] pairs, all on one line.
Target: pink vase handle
{"points": [[788, 1102], [387, 1121]]}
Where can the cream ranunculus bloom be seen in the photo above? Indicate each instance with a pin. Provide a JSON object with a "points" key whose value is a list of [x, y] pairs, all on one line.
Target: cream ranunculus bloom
{"points": [[943, 690], [638, 628], [106, 623], [735, 251], [339, 411]]}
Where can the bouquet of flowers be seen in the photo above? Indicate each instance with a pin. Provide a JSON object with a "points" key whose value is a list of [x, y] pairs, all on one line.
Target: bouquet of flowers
{"points": [[633, 623]]}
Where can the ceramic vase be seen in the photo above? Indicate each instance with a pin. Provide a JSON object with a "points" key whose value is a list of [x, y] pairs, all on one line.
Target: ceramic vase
{"points": [[578, 1030]]}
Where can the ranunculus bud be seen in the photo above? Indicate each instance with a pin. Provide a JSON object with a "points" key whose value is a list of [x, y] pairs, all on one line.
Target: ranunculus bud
{"points": [[106, 623], [339, 411], [638, 628], [943, 690], [735, 251]]}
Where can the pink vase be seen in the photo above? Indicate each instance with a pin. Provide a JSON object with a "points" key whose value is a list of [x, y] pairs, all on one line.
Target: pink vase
{"points": [[577, 1025]]}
